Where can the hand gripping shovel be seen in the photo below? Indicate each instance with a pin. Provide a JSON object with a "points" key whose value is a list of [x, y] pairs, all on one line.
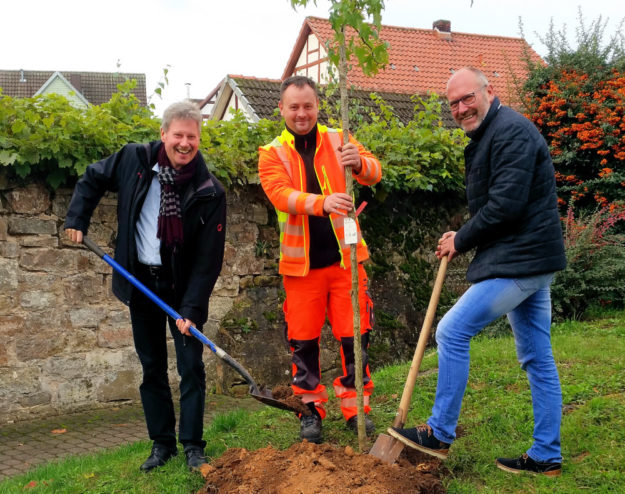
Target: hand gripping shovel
{"points": [[387, 448], [263, 395]]}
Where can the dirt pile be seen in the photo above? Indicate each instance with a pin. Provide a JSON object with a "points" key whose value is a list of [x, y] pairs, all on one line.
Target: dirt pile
{"points": [[307, 468]]}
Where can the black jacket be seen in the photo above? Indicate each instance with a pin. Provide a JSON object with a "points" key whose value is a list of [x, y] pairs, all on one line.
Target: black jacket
{"points": [[511, 190], [197, 264]]}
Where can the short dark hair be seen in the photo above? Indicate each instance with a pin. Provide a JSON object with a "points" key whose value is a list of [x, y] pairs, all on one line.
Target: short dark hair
{"points": [[298, 81]]}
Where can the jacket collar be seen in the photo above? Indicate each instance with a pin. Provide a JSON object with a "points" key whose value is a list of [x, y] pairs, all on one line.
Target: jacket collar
{"points": [[477, 134], [304, 143], [288, 137]]}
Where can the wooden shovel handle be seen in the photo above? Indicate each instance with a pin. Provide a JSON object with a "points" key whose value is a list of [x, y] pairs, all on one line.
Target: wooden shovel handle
{"points": [[424, 336]]}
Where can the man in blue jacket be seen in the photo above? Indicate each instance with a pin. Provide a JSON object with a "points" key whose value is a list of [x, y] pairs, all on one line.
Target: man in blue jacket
{"points": [[171, 214], [516, 233]]}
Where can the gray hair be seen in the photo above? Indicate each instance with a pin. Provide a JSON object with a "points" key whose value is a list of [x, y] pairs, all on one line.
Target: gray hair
{"points": [[479, 75], [182, 110]]}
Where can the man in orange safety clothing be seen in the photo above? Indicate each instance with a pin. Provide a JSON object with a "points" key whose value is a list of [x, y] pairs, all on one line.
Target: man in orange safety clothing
{"points": [[302, 173]]}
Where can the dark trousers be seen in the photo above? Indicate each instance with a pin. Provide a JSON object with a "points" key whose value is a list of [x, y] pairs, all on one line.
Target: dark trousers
{"points": [[149, 331]]}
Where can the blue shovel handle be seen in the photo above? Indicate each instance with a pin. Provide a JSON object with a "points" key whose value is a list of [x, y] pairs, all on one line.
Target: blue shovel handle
{"points": [[171, 312]]}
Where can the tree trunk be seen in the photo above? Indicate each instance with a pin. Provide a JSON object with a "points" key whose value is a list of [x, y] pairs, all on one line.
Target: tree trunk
{"points": [[354, 259]]}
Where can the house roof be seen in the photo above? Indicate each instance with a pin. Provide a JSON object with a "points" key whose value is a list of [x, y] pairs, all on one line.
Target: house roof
{"points": [[262, 96], [258, 97], [422, 60], [96, 87]]}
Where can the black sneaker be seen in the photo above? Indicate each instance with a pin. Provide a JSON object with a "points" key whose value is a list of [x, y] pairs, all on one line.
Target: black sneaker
{"points": [[195, 457], [158, 457], [310, 428], [524, 463], [352, 425], [422, 439]]}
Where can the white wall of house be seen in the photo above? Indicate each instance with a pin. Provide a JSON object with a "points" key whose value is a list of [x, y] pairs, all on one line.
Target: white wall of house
{"points": [[309, 63], [58, 86]]}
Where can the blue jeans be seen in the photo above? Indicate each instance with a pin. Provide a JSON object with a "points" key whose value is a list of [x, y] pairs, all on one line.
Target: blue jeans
{"points": [[527, 303]]}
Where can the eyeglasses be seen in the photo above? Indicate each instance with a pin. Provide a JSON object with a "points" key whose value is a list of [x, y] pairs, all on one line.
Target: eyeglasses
{"points": [[467, 99]]}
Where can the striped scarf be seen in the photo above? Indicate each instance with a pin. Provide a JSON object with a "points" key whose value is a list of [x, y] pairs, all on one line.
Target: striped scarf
{"points": [[170, 212]]}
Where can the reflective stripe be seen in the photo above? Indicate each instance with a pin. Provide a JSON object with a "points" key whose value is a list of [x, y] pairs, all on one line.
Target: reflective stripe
{"points": [[318, 398], [340, 391], [297, 197], [309, 204], [292, 251], [353, 402], [293, 230], [292, 202], [369, 174]]}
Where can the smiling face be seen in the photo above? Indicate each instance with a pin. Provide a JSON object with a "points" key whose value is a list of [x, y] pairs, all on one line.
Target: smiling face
{"points": [[181, 141], [463, 83], [299, 107]]}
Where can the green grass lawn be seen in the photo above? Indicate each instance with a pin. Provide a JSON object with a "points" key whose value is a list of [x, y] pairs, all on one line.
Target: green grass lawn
{"points": [[496, 420]]}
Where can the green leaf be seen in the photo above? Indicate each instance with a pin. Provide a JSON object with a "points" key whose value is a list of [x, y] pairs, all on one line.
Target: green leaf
{"points": [[7, 158]]}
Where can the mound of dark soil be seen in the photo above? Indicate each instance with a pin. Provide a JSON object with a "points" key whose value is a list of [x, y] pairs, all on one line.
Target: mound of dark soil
{"points": [[307, 468]]}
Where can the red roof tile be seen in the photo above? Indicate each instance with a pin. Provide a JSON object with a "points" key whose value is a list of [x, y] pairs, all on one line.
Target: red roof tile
{"points": [[422, 60]]}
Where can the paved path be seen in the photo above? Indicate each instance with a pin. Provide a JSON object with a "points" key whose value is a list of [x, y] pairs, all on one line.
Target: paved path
{"points": [[30, 443]]}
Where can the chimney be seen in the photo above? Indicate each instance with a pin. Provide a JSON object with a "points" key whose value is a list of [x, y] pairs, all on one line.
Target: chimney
{"points": [[442, 28], [442, 25]]}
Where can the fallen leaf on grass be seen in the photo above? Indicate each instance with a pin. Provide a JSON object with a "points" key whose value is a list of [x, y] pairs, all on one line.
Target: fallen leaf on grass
{"points": [[59, 431], [89, 475], [30, 484]]}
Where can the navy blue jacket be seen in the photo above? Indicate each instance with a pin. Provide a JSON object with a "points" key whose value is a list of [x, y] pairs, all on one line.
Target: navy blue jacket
{"points": [[197, 263], [511, 191]]}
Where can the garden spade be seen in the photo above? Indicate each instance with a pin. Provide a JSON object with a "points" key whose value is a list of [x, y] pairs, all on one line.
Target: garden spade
{"points": [[261, 394], [387, 448]]}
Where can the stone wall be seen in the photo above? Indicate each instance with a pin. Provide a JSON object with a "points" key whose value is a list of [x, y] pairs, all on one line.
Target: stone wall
{"points": [[66, 341]]}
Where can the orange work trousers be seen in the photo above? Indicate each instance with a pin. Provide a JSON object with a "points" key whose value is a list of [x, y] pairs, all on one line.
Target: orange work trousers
{"points": [[309, 299]]}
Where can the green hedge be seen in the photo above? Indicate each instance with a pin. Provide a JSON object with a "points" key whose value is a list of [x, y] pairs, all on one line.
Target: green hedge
{"points": [[46, 138]]}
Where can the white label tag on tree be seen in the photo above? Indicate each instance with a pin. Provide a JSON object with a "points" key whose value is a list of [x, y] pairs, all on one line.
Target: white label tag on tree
{"points": [[349, 229]]}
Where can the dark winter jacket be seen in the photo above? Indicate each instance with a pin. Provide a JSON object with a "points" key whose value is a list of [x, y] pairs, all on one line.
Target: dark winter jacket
{"points": [[197, 263], [510, 187]]}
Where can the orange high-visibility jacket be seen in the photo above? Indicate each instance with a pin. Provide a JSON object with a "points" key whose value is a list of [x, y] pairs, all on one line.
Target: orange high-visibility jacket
{"points": [[283, 177]]}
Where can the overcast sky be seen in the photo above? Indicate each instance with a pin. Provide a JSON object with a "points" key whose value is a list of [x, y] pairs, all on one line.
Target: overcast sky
{"points": [[203, 40]]}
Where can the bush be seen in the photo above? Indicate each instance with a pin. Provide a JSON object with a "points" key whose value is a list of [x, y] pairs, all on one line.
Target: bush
{"points": [[44, 137], [595, 271], [577, 101], [422, 155]]}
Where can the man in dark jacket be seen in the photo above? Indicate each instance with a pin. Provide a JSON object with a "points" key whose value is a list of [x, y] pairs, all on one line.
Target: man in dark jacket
{"points": [[515, 229], [171, 214]]}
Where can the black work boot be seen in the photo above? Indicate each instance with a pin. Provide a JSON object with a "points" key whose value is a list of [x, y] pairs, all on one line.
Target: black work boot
{"points": [[158, 457], [310, 425], [195, 457], [525, 463], [352, 425], [422, 439]]}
